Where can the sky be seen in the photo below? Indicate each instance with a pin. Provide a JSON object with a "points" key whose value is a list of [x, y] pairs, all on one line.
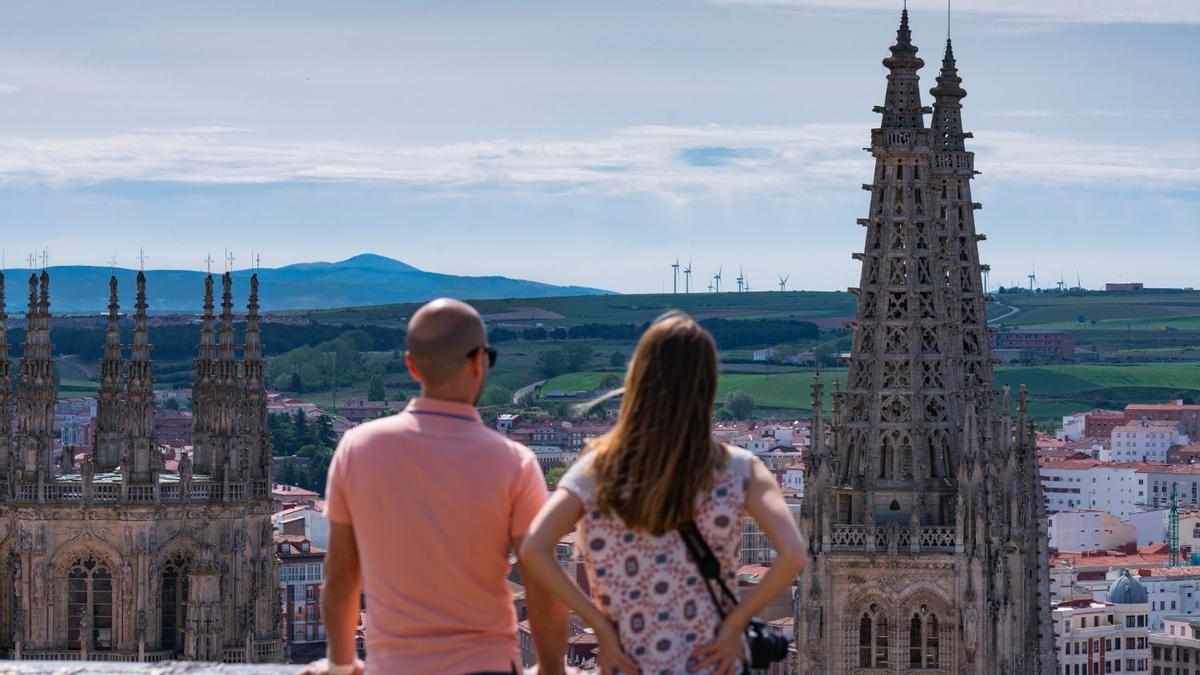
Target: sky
{"points": [[587, 143]]}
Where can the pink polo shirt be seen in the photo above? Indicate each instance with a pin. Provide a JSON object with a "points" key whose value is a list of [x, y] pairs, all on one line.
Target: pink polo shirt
{"points": [[435, 498]]}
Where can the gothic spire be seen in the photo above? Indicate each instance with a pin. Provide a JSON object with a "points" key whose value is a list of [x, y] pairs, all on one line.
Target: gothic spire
{"points": [[202, 386], [5, 390], [902, 102], [947, 105], [36, 393], [253, 347], [141, 447], [227, 344], [108, 405]]}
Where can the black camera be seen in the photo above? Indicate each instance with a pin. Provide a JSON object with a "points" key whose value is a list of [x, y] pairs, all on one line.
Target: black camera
{"points": [[765, 647]]}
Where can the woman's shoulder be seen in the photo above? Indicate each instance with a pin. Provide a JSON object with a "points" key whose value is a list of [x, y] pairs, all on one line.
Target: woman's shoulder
{"points": [[578, 479], [741, 460]]}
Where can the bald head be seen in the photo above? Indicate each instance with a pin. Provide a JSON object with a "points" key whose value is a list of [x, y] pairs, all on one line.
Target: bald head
{"points": [[439, 336]]}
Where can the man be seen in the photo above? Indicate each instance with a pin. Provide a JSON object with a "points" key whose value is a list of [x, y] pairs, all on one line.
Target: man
{"points": [[424, 508]]}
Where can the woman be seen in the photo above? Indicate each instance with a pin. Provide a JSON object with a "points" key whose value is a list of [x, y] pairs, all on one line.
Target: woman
{"points": [[658, 470]]}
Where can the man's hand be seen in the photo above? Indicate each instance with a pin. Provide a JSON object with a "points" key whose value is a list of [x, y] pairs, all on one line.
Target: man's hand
{"points": [[322, 667]]}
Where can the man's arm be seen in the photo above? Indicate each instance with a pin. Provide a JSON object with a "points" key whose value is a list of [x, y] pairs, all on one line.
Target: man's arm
{"points": [[547, 620], [343, 581]]}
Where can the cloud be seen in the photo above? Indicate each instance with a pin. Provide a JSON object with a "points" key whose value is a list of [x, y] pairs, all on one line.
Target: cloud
{"points": [[1142, 114], [675, 162], [6, 88], [1065, 11]]}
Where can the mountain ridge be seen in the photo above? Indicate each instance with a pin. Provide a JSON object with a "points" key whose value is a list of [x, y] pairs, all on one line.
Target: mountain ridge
{"points": [[364, 279]]}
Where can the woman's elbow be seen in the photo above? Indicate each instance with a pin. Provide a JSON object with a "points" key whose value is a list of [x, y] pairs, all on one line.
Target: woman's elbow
{"points": [[792, 557]]}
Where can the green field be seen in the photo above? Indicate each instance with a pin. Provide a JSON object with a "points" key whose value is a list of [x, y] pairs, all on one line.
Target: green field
{"points": [[570, 311], [1054, 390]]}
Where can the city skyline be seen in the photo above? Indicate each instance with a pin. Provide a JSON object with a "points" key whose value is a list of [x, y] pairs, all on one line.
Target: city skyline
{"points": [[471, 140]]}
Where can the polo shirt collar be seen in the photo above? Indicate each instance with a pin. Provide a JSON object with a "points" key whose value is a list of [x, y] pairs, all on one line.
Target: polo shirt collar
{"points": [[443, 408]]}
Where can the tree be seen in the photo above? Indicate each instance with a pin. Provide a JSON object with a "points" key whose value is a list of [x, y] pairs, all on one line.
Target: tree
{"points": [[297, 384], [554, 475], [552, 362], [326, 436], [288, 475], [740, 405], [360, 339], [171, 403], [610, 381], [616, 360], [375, 390], [496, 395], [578, 355]]}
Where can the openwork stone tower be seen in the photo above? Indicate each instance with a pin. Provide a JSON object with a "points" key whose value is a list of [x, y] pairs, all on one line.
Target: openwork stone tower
{"points": [[924, 510]]}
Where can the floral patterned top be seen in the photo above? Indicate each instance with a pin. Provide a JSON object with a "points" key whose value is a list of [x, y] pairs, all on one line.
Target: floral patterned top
{"points": [[648, 585]]}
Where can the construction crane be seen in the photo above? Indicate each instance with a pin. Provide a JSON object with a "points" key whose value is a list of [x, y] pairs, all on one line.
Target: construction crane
{"points": [[1173, 531]]}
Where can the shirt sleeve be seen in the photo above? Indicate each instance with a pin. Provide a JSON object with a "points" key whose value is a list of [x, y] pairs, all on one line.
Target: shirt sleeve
{"points": [[337, 503], [529, 496], [578, 479]]}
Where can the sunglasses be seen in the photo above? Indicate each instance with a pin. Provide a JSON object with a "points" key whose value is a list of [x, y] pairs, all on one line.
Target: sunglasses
{"points": [[490, 351]]}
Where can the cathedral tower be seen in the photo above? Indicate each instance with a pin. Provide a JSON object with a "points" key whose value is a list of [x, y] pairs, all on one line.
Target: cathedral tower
{"points": [[923, 507], [256, 439], [202, 386]]}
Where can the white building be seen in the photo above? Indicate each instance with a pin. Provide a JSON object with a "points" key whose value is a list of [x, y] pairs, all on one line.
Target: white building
{"points": [[1095, 637], [1086, 530], [1185, 478], [1072, 427], [767, 354], [793, 479], [1146, 441], [306, 521], [1151, 526], [1169, 591], [1073, 484], [1176, 650]]}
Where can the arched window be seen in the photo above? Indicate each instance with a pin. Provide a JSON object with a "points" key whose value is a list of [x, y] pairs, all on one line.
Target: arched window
{"points": [[914, 641], [174, 603], [864, 641], [931, 642], [881, 641], [8, 600], [89, 605]]}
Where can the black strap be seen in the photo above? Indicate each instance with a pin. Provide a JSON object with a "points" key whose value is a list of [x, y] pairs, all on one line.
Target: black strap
{"points": [[709, 566], [710, 569]]}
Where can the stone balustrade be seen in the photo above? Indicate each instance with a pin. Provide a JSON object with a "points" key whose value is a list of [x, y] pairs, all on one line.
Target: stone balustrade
{"points": [[160, 668]]}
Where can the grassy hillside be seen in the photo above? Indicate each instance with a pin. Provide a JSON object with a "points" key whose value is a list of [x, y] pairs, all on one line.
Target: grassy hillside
{"points": [[568, 311], [1054, 390]]}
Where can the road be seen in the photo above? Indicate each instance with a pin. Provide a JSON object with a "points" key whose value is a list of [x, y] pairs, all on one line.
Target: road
{"points": [[1012, 311], [525, 391]]}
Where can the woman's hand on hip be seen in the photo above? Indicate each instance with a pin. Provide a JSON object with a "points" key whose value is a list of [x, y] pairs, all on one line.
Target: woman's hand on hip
{"points": [[609, 656], [724, 654]]}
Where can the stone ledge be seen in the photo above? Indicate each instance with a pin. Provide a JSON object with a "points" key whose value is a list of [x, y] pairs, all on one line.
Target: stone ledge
{"points": [[161, 668]]}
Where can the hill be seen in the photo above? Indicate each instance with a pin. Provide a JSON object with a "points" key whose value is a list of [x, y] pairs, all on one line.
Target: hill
{"points": [[826, 309], [363, 279], [1053, 390]]}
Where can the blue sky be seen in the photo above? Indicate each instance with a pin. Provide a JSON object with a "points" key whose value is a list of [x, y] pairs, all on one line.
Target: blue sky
{"points": [[586, 143]]}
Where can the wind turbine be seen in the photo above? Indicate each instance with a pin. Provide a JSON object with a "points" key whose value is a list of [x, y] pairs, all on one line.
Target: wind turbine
{"points": [[783, 282], [717, 278], [675, 279], [1078, 282], [1061, 284], [1032, 278], [741, 279], [747, 280], [687, 277]]}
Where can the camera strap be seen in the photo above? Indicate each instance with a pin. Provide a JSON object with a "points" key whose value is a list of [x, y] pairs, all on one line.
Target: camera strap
{"points": [[710, 568]]}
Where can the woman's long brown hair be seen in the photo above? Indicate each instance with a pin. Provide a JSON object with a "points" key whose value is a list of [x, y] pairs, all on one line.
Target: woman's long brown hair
{"points": [[661, 454]]}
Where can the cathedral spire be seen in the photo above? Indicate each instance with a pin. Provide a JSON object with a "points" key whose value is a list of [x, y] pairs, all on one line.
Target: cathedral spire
{"points": [[202, 386], [141, 448], [902, 102], [227, 345], [36, 393], [108, 405], [256, 438], [5, 391], [947, 105]]}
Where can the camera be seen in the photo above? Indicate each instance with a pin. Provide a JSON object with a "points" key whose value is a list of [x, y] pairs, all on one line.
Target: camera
{"points": [[765, 647]]}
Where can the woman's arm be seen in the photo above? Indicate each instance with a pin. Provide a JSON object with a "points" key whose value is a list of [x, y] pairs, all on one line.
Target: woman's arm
{"points": [[765, 503], [537, 560]]}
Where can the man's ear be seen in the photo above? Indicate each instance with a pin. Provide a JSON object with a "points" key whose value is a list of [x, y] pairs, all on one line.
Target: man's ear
{"points": [[412, 367]]}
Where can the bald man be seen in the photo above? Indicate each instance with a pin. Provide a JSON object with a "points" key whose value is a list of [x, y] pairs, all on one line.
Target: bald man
{"points": [[424, 509]]}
